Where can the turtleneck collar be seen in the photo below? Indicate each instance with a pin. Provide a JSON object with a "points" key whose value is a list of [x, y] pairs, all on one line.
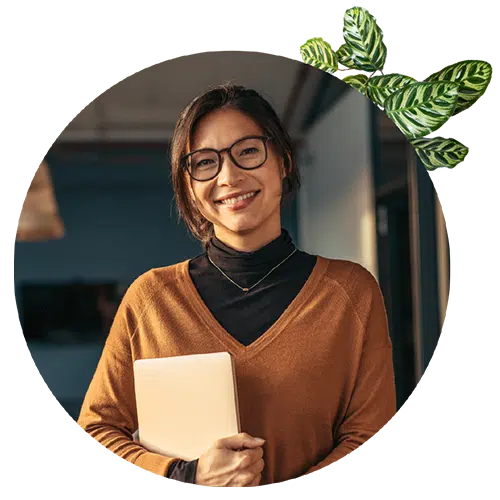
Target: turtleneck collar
{"points": [[267, 256]]}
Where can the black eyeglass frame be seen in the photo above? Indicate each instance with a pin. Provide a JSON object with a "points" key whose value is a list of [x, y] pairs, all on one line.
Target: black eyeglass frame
{"points": [[185, 164]]}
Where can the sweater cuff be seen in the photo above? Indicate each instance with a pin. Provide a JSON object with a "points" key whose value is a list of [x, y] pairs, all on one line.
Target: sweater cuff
{"points": [[190, 477], [181, 470], [173, 466]]}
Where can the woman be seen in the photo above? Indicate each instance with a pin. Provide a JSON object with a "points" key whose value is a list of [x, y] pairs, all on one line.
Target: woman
{"points": [[308, 334]]}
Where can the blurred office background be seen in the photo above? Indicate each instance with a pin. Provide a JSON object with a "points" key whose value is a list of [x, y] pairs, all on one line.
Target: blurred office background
{"points": [[364, 197]]}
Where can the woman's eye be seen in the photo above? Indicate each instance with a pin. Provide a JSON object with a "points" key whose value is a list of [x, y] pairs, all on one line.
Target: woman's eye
{"points": [[249, 151], [204, 163]]}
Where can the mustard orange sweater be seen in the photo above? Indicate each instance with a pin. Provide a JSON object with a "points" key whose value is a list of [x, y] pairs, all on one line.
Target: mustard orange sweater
{"points": [[316, 385]]}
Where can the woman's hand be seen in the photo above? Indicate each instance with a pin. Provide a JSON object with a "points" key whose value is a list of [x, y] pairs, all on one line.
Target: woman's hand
{"points": [[232, 461]]}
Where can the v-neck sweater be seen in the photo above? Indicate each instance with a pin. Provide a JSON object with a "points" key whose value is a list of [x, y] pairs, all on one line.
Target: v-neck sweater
{"points": [[247, 315], [316, 385], [274, 274]]}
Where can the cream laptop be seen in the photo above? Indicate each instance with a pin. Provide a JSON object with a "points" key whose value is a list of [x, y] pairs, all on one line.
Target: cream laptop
{"points": [[185, 403]]}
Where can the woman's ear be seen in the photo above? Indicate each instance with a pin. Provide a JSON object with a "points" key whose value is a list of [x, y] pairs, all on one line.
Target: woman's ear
{"points": [[283, 169]]}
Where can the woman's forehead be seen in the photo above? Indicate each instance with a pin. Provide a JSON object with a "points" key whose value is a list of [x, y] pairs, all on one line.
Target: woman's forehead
{"points": [[221, 128]]}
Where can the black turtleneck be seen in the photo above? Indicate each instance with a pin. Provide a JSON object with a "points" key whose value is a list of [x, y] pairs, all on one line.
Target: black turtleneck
{"points": [[246, 315]]}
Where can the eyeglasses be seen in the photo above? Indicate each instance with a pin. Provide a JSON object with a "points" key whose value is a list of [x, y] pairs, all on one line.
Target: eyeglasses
{"points": [[247, 153]]}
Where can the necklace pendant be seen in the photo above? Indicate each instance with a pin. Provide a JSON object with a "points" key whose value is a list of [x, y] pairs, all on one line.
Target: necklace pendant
{"points": [[245, 289]]}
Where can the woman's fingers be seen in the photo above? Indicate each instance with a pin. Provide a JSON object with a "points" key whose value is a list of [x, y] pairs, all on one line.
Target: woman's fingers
{"points": [[239, 441]]}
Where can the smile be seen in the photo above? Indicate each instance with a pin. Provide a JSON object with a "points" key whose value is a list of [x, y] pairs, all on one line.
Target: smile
{"points": [[237, 199]]}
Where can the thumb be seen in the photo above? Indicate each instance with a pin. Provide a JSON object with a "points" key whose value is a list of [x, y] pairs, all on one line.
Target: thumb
{"points": [[239, 441]]}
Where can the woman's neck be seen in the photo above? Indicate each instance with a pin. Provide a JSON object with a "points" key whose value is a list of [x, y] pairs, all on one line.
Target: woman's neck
{"points": [[249, 242], [260, 260]]}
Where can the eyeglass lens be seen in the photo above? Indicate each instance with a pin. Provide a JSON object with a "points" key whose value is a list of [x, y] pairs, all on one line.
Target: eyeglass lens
{"points": [[248, 153]]}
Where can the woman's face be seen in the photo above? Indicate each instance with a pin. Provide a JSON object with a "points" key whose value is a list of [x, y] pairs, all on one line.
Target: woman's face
{"points": [[255, 219]]}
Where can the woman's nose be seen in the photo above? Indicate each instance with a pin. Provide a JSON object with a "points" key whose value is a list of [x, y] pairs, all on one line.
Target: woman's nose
{"points": [[229, 172]]}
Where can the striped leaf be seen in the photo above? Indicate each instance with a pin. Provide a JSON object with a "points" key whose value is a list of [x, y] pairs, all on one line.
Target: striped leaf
{"points": [[439, 152], [381, 87], [473, 77], [421, 108], [344, 55], [358, 82], [319, 54], [364, 39]]}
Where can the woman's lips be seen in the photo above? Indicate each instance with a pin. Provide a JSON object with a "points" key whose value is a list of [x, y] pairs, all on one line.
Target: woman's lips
{"points": [[239, 205]]}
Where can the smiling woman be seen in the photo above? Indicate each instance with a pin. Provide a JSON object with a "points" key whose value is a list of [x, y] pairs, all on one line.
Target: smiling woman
{"points": [[308, 335], [231, 143]]}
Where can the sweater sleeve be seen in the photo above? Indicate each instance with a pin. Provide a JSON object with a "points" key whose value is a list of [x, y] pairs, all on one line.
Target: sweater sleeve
{"points": [[373, 400], [108, 411]]}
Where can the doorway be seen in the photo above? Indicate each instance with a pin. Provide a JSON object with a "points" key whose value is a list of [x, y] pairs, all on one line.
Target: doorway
{"points": [[393, 247]]}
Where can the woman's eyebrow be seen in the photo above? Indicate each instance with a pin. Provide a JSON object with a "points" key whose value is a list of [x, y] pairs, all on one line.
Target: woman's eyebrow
{"points": [[232, 143]]}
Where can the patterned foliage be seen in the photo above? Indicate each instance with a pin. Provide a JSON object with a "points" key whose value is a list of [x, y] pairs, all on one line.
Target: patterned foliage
{"points": [[439, 152], [358, 82], [319, 54], [381, 87], [344, 55]]}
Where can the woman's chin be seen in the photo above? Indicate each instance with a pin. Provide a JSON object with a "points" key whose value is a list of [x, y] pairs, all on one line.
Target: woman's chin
{"points": [[239, 227]]}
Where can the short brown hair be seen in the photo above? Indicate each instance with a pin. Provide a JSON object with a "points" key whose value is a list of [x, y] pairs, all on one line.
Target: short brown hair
{"points": [[242, 99]]}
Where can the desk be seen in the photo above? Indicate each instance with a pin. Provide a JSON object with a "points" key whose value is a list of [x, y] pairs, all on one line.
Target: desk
{"points": [[460, 450]]}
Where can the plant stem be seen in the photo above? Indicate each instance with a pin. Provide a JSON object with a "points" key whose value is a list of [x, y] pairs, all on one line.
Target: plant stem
{"points": [[367, 90], [370, 77]]}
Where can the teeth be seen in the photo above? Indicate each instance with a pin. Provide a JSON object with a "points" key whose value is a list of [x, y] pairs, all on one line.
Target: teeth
{"points": [[232, 201]]}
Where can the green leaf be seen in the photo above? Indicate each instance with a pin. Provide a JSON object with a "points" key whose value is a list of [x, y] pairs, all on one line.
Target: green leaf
{"points": [[381, 87], [358, 82], [364, 39], [421, 108], [319, 54], [473, 77], [344, 55], [439, 152]]}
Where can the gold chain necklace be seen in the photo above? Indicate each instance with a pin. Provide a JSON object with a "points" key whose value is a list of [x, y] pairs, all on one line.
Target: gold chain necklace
{"points": [[262, 279]]}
